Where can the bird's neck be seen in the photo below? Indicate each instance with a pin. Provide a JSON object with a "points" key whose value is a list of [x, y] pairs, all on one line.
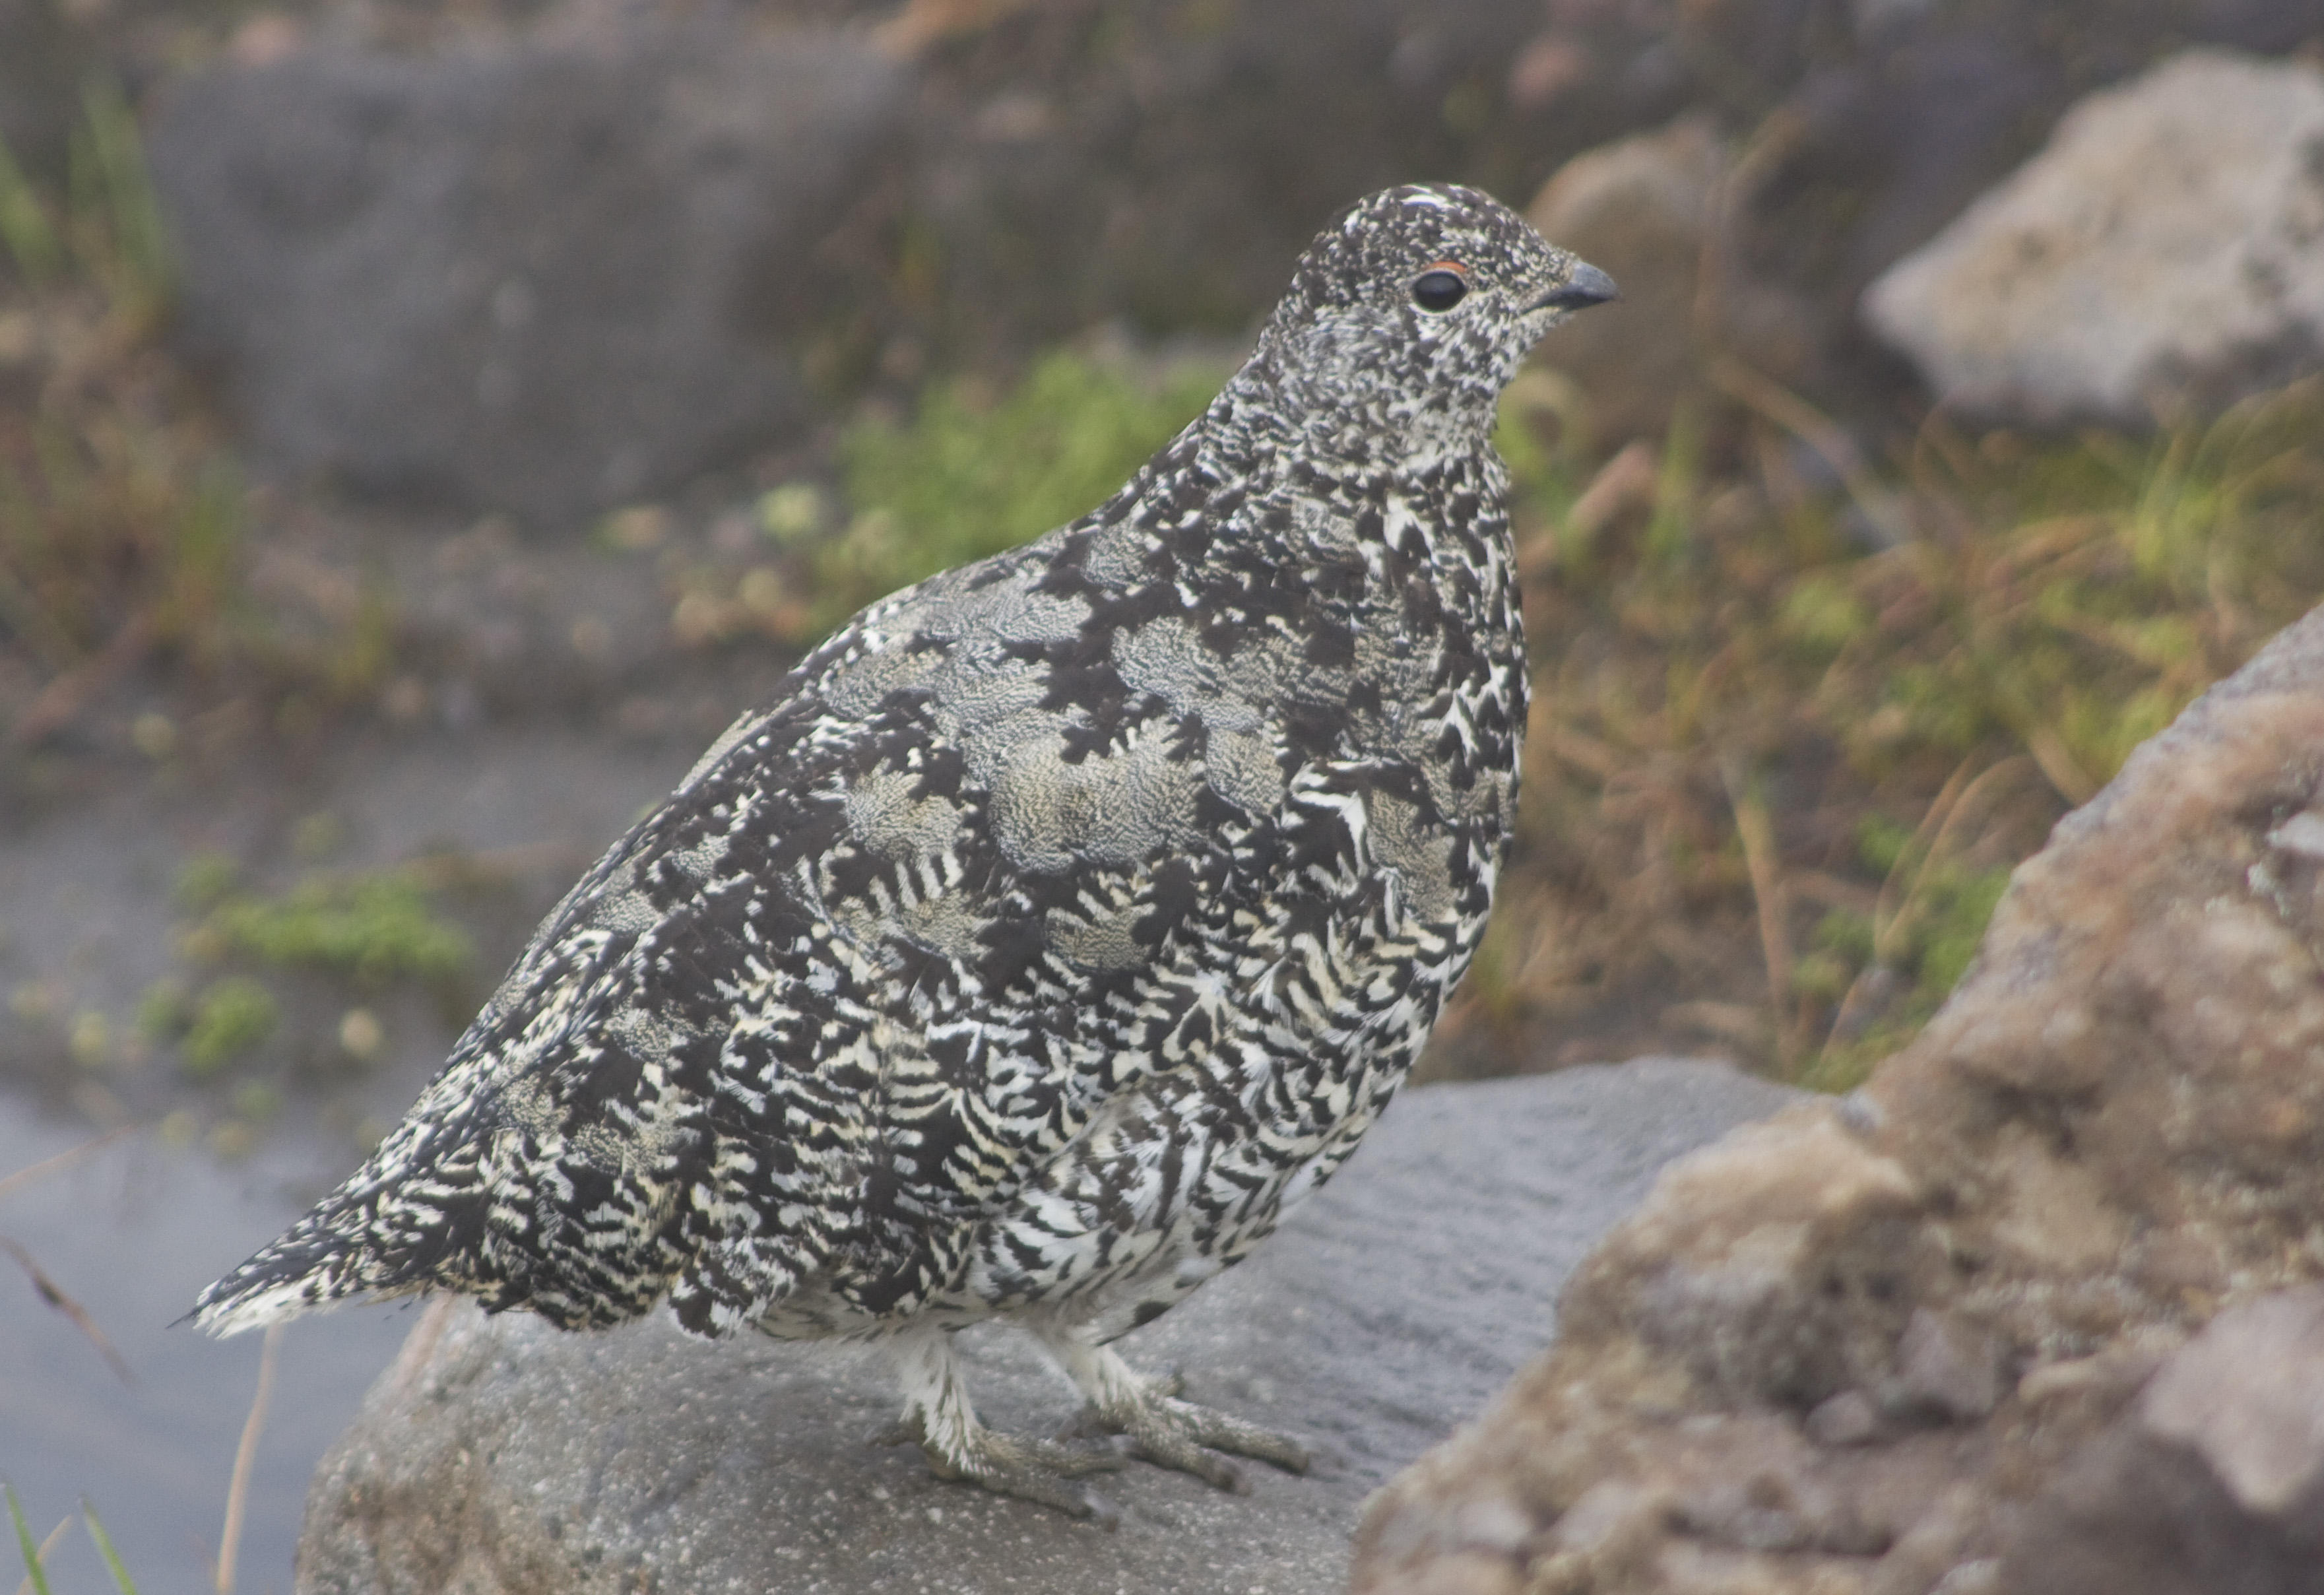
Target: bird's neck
{"points": [[1341, 406], [1399, 474]]}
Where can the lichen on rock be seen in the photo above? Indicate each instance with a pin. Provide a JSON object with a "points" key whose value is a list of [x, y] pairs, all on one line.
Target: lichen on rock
{"points": [[2158, 257]]}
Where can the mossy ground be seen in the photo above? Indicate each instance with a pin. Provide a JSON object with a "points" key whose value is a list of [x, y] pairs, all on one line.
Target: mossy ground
{"points": [[977, 468]]}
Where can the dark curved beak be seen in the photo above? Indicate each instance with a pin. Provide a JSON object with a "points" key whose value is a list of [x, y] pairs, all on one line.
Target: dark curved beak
{"points": [[1585, 285]]}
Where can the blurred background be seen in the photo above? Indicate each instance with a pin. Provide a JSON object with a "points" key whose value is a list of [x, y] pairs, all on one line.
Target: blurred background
{"points": [[425, 423]]}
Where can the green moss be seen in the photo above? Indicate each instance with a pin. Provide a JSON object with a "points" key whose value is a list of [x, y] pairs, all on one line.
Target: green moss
{"points": [[1881, 842], [1823, 975], [1843, 1063], [1823, 614], [232, 1018], [973, 474], [374, 928], [371, 929], [164, 1009], [205, 880], [1963, 904], [1847, 935]]}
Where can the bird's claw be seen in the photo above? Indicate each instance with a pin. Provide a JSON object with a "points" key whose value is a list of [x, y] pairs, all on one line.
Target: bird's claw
{"points": [[1169, 1433], [1031, 1470]]}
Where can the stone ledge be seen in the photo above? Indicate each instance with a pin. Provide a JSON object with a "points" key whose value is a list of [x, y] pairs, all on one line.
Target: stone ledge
{"points": [[501, 1455]]}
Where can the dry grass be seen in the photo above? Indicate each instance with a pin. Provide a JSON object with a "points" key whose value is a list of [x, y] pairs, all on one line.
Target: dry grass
{"points": [[123, 521], [1795, 718]]}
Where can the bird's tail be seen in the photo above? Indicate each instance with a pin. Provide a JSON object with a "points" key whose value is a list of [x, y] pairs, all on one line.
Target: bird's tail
{"points": [[344, 1250], [409, 1218], [318, 1264]]}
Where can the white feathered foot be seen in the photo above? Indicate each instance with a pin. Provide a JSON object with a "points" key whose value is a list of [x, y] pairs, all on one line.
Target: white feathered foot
{"points": [[1161, 1429], [940, 1419]]}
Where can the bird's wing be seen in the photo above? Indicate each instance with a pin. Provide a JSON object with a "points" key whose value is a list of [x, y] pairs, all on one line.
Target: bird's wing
{"points": [[866, 966]]}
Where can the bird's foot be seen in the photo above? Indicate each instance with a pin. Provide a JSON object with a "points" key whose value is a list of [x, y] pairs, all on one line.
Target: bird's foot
{"points": [[1169, 1433], [1031, 1469]]}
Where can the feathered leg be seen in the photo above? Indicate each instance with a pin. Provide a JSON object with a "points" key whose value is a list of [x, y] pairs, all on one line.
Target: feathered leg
{"points": [[939, 1416], [1161, 1428]]}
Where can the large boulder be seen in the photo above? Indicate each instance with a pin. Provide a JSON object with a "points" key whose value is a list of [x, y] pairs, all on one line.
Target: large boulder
{"points": [[552, 259], [1857, 134], [1895, 1344], [536, 276], [2164, 253], [1165, 163], [2213, 1480], [1144, 159], [501, 1455]]}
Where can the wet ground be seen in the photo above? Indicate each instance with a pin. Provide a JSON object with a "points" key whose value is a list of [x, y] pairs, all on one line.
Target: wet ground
{"points": [[131, 1233], [132, 1230]]}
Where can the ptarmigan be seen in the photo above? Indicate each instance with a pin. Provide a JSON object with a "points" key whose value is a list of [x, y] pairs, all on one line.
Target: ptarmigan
{"points": [[1061, 921]]}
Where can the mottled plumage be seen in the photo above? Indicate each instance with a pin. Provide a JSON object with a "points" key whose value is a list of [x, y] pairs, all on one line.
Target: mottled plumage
{"points": [[1061, 921]]}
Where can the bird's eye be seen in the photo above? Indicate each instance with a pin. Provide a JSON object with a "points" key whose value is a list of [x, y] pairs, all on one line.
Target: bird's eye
{"points": [[1439, 289]]}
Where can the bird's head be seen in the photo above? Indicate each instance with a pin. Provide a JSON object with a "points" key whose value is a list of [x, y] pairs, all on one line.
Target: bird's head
{"points": [[1410, 313]]}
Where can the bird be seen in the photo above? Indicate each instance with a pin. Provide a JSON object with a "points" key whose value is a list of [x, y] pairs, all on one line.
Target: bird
{"points": [[1055, 926]]}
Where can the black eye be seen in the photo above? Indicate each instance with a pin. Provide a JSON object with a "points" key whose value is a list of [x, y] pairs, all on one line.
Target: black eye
{"points": [[1439, 290]]}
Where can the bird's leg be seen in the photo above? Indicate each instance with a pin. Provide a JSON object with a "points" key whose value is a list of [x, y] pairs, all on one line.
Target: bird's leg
{"points": [[937, 1414], [1161, 1428]]}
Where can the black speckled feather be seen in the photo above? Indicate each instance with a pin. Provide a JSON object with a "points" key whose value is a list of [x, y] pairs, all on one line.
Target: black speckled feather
{"points": [[1063, 918]]}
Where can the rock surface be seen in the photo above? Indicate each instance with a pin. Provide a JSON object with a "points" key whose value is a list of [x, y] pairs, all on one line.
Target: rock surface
{"points": [[1645, 210], [2164, 253], [547, 257], [2212, 1481], [538, 277], [1883, 1345], [501, 1455], [1659, 212]]}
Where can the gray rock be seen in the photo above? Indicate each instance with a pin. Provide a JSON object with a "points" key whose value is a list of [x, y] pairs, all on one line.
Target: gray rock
{"points": [[1944, 1370], [1642, 209], [534, 277], [2212, 1481], [44, 61], [2164, 253], [498, 1455]]}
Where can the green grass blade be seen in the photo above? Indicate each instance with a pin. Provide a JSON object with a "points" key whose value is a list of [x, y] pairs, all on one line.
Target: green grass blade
{"points": [[33, 1571], [123, 190], [105, 1549], [25, 224]]}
